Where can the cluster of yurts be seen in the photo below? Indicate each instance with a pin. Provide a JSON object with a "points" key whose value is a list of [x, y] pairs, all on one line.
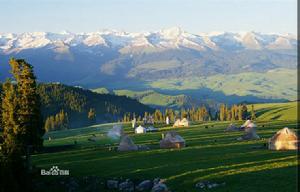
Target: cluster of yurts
{"points": [[284, 139]]}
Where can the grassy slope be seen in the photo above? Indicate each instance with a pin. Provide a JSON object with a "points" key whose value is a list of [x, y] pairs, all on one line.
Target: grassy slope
{"points": [[153, 67], [279, 83], [211, 154], [275, 84], [153, 98], [279, 111], [101, 90]]}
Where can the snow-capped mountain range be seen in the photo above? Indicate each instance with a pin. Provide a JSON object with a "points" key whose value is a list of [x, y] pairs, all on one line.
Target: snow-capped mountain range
{"points": [[172, 38], [166, 58]]}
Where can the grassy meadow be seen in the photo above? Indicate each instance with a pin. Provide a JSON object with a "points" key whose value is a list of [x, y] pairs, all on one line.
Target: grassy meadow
{"points": [[277, 83], [211, 154], [276, 111]]}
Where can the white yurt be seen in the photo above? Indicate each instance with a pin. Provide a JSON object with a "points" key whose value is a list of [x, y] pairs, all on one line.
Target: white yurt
{"points": [[284, 139], [177, 123], [184, 122], [140, 129], [249, 129]]}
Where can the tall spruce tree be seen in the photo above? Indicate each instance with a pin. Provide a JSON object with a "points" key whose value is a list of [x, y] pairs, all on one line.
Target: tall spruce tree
{"points": [[183, 114], [158, 117], [48, 125], [244, 111], [59, 121], [171, 115], [228, 115], [92, 115], [65, 120], [11, 135], [240, 113], [222, 112], [253, 116], [12, 166], [1, 92], [29, 115], [52, 122]]}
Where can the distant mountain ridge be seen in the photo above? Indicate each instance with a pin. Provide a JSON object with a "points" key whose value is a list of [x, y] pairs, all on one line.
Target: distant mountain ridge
{"points": [[130, 42], [141, 61]]}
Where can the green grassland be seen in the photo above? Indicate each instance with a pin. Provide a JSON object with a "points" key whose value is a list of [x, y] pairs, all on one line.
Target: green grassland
{"points": [[211, 154], [278, 111], [153, 67], [101, 90], [178, 92], [274, 84], [154, 98]]}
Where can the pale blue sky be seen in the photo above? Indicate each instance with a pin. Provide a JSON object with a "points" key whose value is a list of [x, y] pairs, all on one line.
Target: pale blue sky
{"points": [[195, 16]]}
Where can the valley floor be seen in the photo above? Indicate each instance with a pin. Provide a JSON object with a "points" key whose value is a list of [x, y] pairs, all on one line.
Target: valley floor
{"points": [[211, 154]]}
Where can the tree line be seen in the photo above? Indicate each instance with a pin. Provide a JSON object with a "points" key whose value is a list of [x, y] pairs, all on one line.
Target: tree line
{"points": [[236, 112], [60, 121], [193, 114], [225, 113]]}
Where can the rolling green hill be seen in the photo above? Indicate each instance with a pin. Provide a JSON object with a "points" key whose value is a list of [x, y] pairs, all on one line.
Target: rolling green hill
{"points": [[101, 90], [277, 85], [156, 99], [274, 84], [276, 111]]}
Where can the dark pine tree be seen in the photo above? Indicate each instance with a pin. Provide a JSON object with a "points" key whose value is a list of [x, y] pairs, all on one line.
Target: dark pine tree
{"points": [[244, 112], [92, 115], [13, 169], [9, 121], [28, 112], [253, 116]]}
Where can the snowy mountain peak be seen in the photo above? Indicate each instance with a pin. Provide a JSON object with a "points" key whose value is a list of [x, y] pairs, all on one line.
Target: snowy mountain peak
{"points": [[65, 32], [172, 32], [170, 38]]}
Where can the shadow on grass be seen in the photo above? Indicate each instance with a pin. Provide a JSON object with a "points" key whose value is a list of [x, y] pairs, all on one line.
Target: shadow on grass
{"points": [[236, 163], [237, 175], [59, 148], [273, 109]]}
